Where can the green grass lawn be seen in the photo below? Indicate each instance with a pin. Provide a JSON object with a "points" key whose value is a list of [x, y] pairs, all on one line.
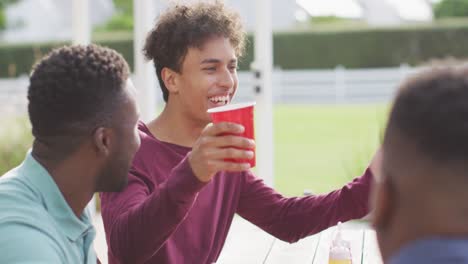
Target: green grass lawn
{"points": [[322, 147]]}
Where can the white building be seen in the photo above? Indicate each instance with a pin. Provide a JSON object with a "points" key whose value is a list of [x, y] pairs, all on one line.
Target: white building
{"points": [[283, 12], [374, 12], [395, 12], [48, 20]]}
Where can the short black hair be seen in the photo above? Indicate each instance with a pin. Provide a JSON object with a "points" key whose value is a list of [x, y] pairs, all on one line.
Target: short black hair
{"points": [[189, 26], [431, 110], [73, 90]]}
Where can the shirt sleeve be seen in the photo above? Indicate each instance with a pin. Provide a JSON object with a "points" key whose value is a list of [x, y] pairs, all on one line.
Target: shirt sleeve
{"points": [[291, 219], [21, 243], [140, 219]]}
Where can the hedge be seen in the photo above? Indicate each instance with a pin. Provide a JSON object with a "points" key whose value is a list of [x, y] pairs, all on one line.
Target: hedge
{"points": [[369, 48], [15, 140], [384, 47], [18, 59]]}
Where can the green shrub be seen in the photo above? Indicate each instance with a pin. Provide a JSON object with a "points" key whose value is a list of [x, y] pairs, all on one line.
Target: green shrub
{"points": [[359, 48], [15, 140], [369, 47], [124, 6], [122, 19], [3, 4], [451, 8], [2, 19], [328, 20], [118, 22], [23, 56]]}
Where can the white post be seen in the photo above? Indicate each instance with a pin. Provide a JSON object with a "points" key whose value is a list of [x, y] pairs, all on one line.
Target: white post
{"points": [[404, 71], [80, 22], [145, 76], [82, 35], [340, 87], [277, 84], [262, 68]]}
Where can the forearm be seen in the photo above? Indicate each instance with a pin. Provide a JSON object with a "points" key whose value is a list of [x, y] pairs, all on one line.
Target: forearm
{"points": [[291, 219], [139, 232], [323, 211]]}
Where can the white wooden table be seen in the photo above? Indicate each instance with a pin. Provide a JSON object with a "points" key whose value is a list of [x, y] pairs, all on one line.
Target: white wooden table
{"points": [[247, 243]]}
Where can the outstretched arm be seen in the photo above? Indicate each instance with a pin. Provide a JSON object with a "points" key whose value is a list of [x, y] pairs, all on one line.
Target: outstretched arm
{"points": [[291, 219]]}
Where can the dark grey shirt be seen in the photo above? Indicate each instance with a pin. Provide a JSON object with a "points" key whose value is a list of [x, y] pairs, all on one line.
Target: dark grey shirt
{"points": [[434, 250]]}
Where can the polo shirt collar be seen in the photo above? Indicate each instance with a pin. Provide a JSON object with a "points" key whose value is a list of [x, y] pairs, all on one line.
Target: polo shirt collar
{"points": [[53, 200]]}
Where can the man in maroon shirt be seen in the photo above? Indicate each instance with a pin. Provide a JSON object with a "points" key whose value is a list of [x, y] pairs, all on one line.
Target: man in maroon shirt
{"points": [[182, 195]]}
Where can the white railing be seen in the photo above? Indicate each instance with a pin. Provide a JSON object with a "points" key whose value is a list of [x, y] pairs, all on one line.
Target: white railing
{"points": [[13, 95], [336, 86], [339, 85]]}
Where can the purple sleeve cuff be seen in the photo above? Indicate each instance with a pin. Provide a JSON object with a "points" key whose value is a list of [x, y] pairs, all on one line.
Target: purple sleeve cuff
{"points": [[183, 185]]}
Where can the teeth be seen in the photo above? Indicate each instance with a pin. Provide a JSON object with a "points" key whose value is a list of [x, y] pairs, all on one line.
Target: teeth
{"points": [[220, 99]]}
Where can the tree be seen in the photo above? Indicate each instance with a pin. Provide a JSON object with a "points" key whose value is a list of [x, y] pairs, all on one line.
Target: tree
{"points": [[451, 8], [3, 4], [122, 19], [2, 19]]}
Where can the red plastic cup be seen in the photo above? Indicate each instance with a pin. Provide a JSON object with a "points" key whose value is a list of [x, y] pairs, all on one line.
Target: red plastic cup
{"points": [[241, 113]]}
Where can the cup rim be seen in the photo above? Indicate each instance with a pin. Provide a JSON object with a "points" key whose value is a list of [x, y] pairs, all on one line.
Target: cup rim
{"points": [[230, 107]]}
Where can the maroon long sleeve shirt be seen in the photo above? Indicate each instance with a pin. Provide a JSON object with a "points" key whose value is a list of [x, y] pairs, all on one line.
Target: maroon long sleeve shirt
{"points": [[166, 215]]}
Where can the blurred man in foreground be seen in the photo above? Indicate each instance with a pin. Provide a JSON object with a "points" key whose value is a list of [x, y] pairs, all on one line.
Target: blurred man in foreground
{"points": [[421, 208]]}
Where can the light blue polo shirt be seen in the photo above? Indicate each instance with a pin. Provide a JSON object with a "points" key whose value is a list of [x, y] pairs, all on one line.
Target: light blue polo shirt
{"points": [[434, 250], [36, 223]]}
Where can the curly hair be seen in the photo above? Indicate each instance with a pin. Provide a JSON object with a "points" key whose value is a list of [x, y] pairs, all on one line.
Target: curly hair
{"points": [[185, 26], [73, 90]]}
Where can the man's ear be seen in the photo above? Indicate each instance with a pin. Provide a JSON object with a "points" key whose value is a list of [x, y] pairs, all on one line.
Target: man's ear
{"points": [[169, 78], [383, 204], [102, 139]]}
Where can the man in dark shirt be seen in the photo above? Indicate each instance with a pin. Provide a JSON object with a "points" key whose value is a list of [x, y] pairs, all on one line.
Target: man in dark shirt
{"points": [[182, 194], [421, 209]]}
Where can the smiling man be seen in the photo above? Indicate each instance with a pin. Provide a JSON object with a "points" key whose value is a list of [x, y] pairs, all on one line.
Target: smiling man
{"points": [[182, 194]]}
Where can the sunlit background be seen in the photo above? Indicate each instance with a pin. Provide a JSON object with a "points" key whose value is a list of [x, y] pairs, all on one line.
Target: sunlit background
{"points": [[337, 64]]}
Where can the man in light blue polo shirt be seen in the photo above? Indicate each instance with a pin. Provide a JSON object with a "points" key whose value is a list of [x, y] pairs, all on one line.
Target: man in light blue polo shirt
{"points": [[421, 198], [84, 121]]}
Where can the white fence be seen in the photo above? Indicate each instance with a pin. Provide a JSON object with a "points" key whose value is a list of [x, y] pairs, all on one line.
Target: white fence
{"points": [[340, 86], [13, 95]]}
